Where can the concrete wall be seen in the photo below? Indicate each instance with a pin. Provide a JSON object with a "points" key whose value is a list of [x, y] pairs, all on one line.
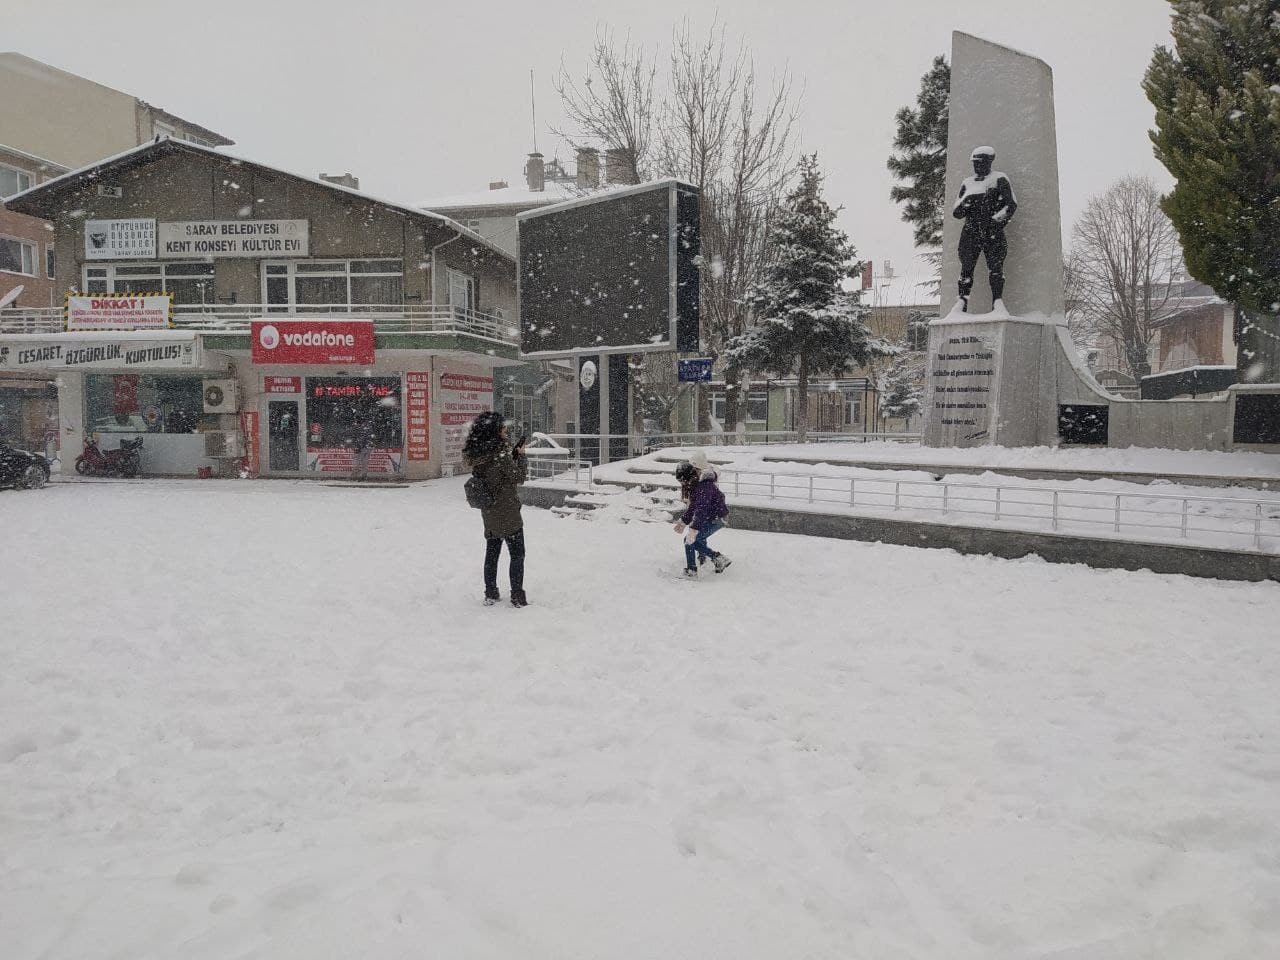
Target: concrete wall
{"points": [[1008, 544], [62, 117], [1004, 99]]}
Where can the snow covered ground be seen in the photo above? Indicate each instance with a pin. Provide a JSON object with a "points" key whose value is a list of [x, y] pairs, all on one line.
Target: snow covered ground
{"points": [[272, 720], [1132, 459], [817, 477]]}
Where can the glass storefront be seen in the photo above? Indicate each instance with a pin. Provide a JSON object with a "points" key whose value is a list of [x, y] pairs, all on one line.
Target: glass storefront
{"points": [[29, 417], [340, 411], [140, 403]]}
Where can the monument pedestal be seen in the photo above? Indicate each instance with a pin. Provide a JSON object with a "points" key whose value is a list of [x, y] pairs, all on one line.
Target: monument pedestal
{"points": [[998, 379]]}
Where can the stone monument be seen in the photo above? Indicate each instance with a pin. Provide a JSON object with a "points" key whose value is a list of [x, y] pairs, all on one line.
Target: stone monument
{"points": [[1006, 372], [984, 382]]}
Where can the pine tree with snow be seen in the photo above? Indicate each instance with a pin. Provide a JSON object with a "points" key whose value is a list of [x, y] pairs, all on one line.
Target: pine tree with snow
{"points": [[1217, 100], [805, 322], [904, 389], [919, 160]]}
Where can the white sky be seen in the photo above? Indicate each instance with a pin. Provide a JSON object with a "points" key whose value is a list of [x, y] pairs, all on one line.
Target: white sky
{"points": [[421, 98]]}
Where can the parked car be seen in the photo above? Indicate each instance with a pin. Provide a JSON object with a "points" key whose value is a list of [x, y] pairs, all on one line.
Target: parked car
{"points": [[22, 469]]}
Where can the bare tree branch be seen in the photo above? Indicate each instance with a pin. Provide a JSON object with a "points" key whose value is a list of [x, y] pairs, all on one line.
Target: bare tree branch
{"points": [[713, 123], [1124, 259]]}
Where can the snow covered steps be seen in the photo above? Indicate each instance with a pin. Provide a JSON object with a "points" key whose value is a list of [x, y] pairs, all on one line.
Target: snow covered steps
{"points": [[624, 504]]}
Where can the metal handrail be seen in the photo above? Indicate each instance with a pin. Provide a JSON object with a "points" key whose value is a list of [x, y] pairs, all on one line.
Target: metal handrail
{"points": [[559, 468], [1255, 520], [236, 318], [643, 443]]}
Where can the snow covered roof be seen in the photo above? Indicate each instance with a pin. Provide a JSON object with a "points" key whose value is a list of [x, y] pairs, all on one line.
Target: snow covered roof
{"points": [[910, 288], [38, 200], [515, 197], [610, 193]]}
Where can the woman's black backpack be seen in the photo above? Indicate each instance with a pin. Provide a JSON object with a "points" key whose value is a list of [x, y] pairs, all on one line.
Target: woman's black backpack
{"points": [[479, 495]]}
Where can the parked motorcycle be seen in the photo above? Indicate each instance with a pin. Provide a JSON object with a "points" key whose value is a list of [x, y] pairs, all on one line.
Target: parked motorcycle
{"points": [[22, 469], [96, 462]]}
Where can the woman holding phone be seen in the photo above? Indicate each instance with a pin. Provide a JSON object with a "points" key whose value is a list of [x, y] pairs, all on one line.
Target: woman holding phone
{"points": [[498, 462]]}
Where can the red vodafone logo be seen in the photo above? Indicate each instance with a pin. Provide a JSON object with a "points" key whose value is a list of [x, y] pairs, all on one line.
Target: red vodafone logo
{"points": [[312, 341]]}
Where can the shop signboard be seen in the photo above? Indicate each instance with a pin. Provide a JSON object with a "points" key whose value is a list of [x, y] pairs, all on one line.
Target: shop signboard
{"points": [[418, 442], [120, 239], [281, 384], [69, 352], [119, 311], [312, 341], [201, 239], [249, 427], [343, 460], [462, 397], [696, 370]]}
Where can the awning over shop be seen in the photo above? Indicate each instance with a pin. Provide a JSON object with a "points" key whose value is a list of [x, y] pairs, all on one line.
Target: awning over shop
{"points": [[119, 350]]}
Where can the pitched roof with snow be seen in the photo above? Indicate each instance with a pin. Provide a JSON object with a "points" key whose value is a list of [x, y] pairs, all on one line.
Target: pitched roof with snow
{"points": [[40, 200], [505, 197]]}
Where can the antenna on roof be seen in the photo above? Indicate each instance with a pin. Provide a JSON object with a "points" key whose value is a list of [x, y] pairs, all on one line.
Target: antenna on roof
{"points": [[533, 111]]}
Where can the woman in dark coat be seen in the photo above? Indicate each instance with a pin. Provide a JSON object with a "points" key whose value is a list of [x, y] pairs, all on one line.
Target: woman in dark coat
{"points": [[488, 453]]}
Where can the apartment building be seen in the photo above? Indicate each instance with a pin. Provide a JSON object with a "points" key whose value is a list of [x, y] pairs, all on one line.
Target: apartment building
{"points": [[52, 121]]}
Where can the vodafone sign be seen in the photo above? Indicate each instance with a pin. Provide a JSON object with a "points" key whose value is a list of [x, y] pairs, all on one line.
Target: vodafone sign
{"points": [[312, 341]]}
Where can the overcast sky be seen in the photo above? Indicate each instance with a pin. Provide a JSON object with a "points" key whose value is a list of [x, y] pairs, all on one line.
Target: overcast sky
{"points": [[420, 98]]}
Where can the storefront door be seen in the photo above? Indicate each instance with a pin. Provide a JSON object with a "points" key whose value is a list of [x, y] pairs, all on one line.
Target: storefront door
{"points": [[283, 431]]}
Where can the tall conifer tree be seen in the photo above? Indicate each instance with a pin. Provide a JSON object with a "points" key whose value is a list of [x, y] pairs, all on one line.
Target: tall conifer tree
{"points": [[1217, 100]]}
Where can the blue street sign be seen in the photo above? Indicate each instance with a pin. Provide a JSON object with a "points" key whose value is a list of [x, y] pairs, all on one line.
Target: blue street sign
{"points": [[695, 371]]}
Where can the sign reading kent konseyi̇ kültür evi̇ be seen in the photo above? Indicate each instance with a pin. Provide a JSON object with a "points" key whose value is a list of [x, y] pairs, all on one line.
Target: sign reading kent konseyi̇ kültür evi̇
{"points": [[143, 238]]}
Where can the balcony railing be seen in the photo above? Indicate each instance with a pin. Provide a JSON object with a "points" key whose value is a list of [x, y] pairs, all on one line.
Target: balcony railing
{"points": [[235, 318]]}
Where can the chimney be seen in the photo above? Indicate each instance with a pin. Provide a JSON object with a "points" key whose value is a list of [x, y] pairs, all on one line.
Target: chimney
{"points": [[588, 168], [535, 173], [341, 179], [617, 166]]}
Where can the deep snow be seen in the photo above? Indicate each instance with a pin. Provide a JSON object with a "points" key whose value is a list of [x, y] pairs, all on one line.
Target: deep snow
{"points": [[271, 719]]}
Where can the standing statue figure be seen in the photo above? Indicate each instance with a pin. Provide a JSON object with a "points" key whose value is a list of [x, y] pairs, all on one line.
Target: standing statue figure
{"points": [[986, 205]]}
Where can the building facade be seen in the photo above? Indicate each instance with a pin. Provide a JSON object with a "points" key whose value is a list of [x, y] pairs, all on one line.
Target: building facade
{"points": [[50, 122], [304, 316]]}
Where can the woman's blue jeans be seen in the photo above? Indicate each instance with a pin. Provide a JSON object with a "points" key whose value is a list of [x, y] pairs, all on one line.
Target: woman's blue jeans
{"points": [[699, 545]]}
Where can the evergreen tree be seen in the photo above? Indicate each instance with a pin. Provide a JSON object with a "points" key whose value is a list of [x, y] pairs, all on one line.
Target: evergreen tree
{"points": [[806, 323], [904, 389], [1217, 100], [919, 160]]}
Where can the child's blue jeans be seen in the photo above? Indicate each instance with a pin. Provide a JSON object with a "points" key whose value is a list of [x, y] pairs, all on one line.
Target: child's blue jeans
{"points": [[699, 545]]}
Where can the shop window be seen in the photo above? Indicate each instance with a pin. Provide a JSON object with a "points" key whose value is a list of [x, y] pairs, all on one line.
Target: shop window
{"points": [[343, 284], [13, 181], [17, 256], [521, 404], [757, 411], [135, 403], [338, 408], [187, 283]]}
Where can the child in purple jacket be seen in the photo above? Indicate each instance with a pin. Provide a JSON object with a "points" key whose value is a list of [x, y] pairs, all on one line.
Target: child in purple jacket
{"points": [[704, 516]]}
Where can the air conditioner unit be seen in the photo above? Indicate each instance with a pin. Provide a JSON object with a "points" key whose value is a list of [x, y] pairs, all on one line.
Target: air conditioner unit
{"points": [[221, 396], [223, 445]]}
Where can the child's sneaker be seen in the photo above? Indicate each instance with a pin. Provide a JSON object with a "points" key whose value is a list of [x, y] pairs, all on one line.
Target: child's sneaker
{"points": [[489, 601], [691, 573], [519, 599], [721, 562]]}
